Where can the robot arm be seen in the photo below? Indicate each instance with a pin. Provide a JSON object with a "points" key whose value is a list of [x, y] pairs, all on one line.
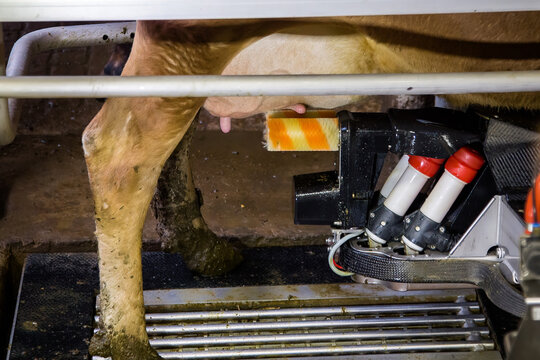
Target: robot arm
{"points": [[464, 230]]}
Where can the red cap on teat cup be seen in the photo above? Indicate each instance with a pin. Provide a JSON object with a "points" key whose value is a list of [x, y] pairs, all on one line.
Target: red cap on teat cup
{"points": [[464, 164], [425, 165]]}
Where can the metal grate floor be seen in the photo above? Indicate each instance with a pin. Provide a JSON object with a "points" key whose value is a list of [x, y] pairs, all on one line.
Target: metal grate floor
{"points": [[256, 322]]}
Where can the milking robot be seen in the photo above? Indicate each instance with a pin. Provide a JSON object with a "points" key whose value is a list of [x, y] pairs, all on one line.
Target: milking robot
{"points": [[450, 211]]}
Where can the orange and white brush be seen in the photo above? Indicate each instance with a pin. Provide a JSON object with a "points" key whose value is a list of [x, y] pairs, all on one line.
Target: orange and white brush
{"points": [[316, 130]]}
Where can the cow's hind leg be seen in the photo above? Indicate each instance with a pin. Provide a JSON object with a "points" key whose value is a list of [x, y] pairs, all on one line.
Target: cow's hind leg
{"points": [[180, 224], [176, 204], [126, 146]]}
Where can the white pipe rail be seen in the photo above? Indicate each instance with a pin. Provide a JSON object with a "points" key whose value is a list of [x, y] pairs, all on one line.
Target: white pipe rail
{"points": [[48, 39], [66, 37], [99, 10], [7, 128], [268, 85]]}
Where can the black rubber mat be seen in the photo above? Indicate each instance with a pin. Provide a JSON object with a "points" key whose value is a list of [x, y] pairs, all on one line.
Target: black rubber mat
{"points": [[57, 299]]}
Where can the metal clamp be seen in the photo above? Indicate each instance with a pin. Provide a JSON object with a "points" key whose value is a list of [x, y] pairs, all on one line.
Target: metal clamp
{"points": [[497, 229]]}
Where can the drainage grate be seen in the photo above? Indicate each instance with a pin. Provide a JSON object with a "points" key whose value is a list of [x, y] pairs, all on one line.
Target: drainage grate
{"points": [[275, 330]]}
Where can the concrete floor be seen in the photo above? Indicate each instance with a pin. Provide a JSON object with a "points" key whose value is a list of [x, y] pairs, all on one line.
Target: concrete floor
{"points": [[46, 204]]}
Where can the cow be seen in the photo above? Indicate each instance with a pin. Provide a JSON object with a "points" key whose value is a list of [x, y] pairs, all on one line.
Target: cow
{"points": [[129, 140]]}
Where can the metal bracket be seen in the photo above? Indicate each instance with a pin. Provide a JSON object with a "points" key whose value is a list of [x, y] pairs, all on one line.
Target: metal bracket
{"points": [[498, 228]]}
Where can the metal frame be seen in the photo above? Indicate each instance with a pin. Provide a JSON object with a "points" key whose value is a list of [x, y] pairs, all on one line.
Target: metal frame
{"points": [[320, 320], [32, 43], [269, 85], [498, 226], [100, 10]]}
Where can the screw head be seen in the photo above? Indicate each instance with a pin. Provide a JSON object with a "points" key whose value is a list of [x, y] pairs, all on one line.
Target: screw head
{"points": [[372, 215], [417, 228], [408, 220], [432, 247], [383, 223], [442, 229]]}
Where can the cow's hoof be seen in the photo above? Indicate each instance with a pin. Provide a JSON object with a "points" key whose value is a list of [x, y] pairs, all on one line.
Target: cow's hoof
{"points": [[205, 253], [216, 259], [121, 347]]}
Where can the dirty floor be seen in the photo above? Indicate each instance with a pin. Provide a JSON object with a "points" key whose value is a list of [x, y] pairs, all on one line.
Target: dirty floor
{"points": [[46, 204]]}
